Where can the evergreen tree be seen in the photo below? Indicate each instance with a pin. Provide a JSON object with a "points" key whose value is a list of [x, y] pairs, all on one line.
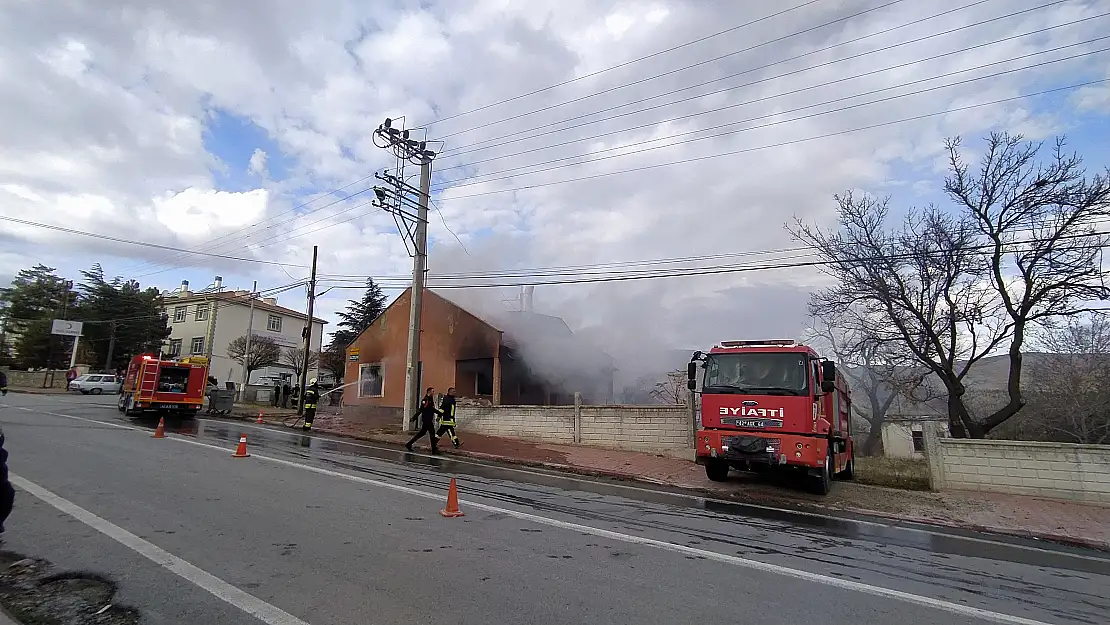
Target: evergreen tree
{"points": [[36, 297], [120, 309], [358, 316]]}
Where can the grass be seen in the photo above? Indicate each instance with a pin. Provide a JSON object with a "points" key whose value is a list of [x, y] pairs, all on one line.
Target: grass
{"points": [[904, 473]]}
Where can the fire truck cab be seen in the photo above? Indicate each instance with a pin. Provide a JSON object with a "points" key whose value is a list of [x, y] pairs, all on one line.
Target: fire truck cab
{"points": [[153, 384], [772, 404]]}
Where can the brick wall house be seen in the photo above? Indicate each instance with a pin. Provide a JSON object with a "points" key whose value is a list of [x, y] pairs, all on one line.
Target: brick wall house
{"points": [[524, 359]]}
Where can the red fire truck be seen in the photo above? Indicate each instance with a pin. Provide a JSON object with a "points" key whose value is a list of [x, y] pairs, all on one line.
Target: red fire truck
{"points": [[772, 404], [153, 384]]}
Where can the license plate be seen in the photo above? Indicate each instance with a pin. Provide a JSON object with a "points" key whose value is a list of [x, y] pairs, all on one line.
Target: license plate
{"points": [[171, 406]]}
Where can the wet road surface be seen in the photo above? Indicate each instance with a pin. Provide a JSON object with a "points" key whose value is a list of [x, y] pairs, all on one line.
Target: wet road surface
{"points": [[317, 530]]}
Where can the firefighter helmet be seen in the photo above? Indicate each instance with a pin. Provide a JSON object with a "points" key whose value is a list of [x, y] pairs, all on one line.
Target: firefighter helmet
{"points": [[312, 381]]}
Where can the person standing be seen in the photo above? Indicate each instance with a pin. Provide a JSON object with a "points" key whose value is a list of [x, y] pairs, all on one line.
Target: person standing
{"points": [[3, 383], [428, 413], [286, 391], [7, 493], [447, 420], [311, 396], [276, 401]]}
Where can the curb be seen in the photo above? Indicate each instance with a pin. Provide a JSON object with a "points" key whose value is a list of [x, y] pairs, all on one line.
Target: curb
{"points": [[800, 506]]}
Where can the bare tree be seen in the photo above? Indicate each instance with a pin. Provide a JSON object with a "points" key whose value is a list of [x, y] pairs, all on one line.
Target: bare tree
{"points": [[672, 390], [296, 360], [1071, 398], [940, 290], [265, 352], [873, 370], [334, 361]]}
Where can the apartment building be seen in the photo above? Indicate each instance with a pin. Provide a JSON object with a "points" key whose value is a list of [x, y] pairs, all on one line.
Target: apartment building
{"points": [[194, 316]]}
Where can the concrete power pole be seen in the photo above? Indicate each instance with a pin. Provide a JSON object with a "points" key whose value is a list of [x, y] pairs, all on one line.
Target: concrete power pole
{"points": [[395, 199], [416, 308], [307, 333], [247, 350]]}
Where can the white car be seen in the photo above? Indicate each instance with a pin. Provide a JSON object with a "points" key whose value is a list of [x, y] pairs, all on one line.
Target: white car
{"points": [[95, 384]]}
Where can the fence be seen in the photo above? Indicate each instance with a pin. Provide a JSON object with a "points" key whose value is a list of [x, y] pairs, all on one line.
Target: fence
{"points": [[656, 429], [35, 379], [1053, 470]]}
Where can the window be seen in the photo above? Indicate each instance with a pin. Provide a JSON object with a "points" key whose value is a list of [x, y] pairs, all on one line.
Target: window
{"points": [[483, 383], [198, 346], [370, 381], [175, 347], [774, 373], [918, 441], [202, 313], [179, 313], [273, 323], [173, 379]]}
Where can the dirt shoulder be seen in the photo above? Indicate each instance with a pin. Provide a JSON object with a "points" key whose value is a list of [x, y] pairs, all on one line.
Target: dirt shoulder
{"points": [[1030, 517], [34, 593]]}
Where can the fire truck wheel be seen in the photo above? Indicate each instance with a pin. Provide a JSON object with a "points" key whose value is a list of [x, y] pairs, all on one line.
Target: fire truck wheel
{"points": [[849, 469], [716, 470], [120, 405], [822, 483]]}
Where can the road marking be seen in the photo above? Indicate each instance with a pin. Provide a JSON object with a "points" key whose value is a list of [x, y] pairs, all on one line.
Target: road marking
{"points": [[219, 588], [889, 526], [817, 578]]}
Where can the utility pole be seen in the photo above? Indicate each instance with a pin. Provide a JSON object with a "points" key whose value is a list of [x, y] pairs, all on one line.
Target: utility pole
{"points": [[211, 334], [308, 332], [111, 348], [247, 351], [395, 200]]}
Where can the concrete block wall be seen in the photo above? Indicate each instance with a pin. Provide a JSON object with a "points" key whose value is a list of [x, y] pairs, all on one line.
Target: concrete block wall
{"points": [[657, 429], [1052, 470], [34, 379], [552, 424]]}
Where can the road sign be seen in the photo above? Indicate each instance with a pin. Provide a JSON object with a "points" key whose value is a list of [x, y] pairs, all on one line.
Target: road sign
{"points": [[66, 328], [353, 354]]}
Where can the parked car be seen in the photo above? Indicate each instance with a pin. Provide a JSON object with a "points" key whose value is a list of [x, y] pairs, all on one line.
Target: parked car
{"points": [[95, 384]]}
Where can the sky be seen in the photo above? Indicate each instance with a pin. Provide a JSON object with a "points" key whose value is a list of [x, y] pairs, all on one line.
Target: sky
{"points": [[576, 139]]}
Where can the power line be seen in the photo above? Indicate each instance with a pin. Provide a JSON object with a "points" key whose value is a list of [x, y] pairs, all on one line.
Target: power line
{"points": [[681, 69], [781, 144], [142, 243], [466, 149], [623, 149], [743, 269], [626, 63]]}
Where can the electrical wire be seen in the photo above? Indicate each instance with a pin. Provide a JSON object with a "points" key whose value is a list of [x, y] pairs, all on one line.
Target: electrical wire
{"points": [[681, 69], [726, 31], [782, 143], [499, 142], [743, 269], [624, 151], [142, 243]]}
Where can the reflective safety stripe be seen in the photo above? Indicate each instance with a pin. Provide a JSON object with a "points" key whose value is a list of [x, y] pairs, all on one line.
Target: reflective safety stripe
{"points": [[310, 405], [447, 422]]}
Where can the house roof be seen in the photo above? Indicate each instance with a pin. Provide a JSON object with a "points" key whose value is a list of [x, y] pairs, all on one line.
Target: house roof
{"points": [[235, 297]]}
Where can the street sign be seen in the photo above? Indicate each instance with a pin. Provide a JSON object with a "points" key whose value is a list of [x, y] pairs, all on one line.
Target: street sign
{"points": [[353, 355], [66, 328]]}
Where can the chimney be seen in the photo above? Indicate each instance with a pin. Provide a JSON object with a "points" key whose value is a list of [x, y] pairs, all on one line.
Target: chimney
{"points": [[529, 298], [270, 300], [219, 282], [184, 287]]}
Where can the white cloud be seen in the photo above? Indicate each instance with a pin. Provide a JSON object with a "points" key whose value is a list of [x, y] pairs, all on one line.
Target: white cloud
{"points": [[106, 112]]}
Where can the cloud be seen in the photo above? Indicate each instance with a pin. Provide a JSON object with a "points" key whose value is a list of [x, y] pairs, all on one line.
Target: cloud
{"points": [[106, 112]]}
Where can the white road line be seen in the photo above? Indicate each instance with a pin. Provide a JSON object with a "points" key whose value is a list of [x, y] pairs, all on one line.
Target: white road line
{"points": [[219, 588], [817, 578], [581, 478]]}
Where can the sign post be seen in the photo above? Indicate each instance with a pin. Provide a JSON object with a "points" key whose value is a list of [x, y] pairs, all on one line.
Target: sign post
{"points": [[62, 327]]}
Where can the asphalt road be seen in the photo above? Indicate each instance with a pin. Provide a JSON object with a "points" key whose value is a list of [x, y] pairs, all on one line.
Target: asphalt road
{"points": [[324, 531]]}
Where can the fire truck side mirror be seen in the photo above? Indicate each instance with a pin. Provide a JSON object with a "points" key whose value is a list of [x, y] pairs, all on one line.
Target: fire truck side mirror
{"points": [[828, 372], [692, 375]]}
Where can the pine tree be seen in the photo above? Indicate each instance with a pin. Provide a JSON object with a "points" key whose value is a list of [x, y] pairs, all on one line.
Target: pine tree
{"points": [[358, 316]]}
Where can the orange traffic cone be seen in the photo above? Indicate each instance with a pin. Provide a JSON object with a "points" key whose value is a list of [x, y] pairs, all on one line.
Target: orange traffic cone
{"points": [[160, 431], [452, 509], [241, 450], [259, 420]]}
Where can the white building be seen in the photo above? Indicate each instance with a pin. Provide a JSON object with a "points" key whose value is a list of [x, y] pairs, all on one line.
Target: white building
{"points": [[190, 321], [904, 437]]}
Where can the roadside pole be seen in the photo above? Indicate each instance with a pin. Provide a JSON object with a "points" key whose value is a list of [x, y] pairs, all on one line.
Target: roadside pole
{"points": [[307, 332], [416, 308], [247, 351]]}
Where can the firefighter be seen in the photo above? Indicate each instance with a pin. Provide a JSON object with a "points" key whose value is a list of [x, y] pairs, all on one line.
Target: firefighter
{"points": [[311, 396], [447, 420], [428, 414]]}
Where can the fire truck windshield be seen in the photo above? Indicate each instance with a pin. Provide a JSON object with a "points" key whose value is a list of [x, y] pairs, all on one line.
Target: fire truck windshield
{"points": [[768, 373]]}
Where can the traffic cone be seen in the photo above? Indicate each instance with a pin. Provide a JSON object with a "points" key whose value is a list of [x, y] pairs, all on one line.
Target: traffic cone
{"points": [[241, 450], [452, 509], [160, 431], [259, 420]]}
